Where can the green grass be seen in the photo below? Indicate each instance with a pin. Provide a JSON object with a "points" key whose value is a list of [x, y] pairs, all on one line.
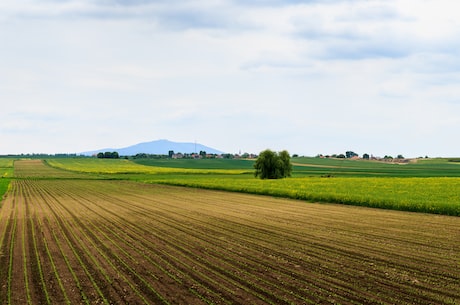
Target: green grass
{"points": [[199, 163], [363, 168], [6, 167], [6, 172], [4, 184], [429, 195], [427, 186], [305, 167]]}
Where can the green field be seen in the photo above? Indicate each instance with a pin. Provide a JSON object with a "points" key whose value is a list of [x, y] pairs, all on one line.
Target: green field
{"points": [[304, 166], [6, 172], [239, 164], [430, 195], [361, 168], [4, 183], [6, 167], [122, 166], [426, 186]]}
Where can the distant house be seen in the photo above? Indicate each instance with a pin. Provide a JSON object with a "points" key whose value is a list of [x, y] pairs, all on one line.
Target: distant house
{"points": [[177, 156]]}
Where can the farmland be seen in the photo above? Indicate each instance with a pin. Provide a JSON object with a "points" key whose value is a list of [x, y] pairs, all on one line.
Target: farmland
{"points": [[120, 166], [307, 167], [409, 187], [6, 172], [73, 238]]}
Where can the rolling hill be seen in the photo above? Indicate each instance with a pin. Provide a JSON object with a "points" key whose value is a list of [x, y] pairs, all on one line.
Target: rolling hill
{"points": [[158, 147]]}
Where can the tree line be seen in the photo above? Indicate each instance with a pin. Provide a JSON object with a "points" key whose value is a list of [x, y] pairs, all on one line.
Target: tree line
{"points": [[108, 155]]}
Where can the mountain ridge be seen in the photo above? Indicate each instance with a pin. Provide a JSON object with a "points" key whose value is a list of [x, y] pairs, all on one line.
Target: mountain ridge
{"points": [[157, 147]]}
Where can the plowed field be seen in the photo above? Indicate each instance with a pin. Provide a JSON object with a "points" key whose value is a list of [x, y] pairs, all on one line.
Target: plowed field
{"points": [[82, 241]]}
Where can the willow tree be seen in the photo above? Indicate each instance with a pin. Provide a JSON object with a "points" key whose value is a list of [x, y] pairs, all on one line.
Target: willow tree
{"points": [[272, 165]]}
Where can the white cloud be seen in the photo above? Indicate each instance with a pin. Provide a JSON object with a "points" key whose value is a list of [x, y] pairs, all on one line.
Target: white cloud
{"points": [[311, 77]]}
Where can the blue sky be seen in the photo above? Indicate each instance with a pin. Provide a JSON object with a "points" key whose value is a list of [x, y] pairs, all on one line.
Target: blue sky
{"points": [[377, 77]]}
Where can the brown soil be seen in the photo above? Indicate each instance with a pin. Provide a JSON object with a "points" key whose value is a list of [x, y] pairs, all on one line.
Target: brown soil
{"points": [[114, 242]]}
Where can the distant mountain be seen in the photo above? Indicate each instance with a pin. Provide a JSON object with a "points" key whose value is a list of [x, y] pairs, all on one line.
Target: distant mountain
{"points": [[159, 147]]}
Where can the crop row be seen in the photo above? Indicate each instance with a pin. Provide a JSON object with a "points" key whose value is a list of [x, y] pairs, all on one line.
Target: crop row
{"points": [[188, 242], [263, 237], [126, 249], [90, 241], [174, 246]]}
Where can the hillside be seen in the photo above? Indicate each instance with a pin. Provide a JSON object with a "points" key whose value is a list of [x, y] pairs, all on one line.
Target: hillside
{"points": [[158, 147]]}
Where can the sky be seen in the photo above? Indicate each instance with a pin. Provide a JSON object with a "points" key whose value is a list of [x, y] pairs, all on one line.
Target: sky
{"points": [[311, 77]]}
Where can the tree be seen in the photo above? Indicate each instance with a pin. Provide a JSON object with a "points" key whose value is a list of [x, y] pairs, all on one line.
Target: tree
{"points": [[350, 154], [286, 166], [108, 155], [272, 165]]}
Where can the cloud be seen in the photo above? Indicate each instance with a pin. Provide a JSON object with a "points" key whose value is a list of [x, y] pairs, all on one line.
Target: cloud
{"points": [[174, 15], [308, 76]]}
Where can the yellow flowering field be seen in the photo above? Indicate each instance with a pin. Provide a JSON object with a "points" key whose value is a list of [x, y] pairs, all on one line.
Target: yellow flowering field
{"points": [[432, 195], [122, 166]]}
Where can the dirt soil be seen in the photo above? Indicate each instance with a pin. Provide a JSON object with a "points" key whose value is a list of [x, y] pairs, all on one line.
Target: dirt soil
{"points": [[79, 241]]}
